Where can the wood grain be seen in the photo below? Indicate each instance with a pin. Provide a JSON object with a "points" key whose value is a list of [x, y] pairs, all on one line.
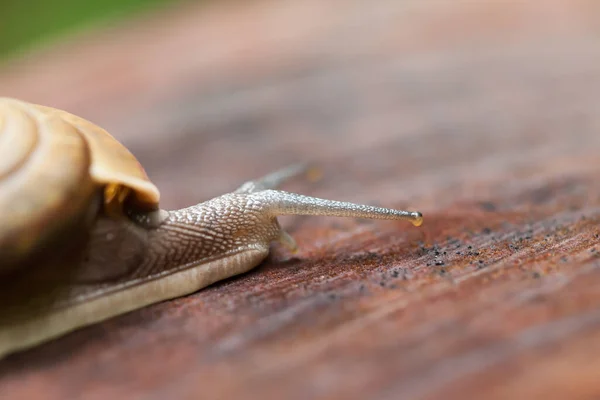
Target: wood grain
{"points": [[485, 116]]}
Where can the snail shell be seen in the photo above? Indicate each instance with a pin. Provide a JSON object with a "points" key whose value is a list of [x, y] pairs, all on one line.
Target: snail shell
{"points": [[62, 178], [53, 167]]}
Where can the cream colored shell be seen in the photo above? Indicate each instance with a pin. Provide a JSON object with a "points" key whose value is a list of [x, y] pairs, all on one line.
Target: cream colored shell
{"points": [[50, 164], [111, 162]]}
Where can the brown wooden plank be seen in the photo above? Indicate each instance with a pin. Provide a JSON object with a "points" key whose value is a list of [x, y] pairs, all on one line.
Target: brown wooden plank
{"points": [[483, 115]]}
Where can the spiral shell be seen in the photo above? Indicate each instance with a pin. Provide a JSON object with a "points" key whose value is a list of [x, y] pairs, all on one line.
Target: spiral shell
{"points": [[53, 165]]}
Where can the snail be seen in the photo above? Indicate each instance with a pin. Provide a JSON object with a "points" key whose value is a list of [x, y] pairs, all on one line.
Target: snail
{"points": [[83, 239]]}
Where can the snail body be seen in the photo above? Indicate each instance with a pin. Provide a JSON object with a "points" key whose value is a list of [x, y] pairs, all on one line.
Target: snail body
{"points": [[83, 239]]}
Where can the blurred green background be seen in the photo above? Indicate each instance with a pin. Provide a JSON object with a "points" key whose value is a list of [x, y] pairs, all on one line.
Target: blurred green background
{"points": [[29, 23]]}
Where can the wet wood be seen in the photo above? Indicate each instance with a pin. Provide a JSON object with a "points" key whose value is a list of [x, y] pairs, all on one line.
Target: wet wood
{"points": [[485, 116]]}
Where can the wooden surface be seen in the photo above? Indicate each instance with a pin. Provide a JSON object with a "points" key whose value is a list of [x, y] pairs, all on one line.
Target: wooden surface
{"points": [[483, 115]]}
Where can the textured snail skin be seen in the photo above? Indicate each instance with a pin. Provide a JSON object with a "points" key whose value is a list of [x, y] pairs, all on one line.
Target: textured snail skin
{"points": [[127, 266], [121, 260]]}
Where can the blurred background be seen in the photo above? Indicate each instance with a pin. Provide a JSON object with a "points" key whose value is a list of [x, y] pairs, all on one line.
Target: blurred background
{"points": [[437, 84], [25, 25], [484, 115]]}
